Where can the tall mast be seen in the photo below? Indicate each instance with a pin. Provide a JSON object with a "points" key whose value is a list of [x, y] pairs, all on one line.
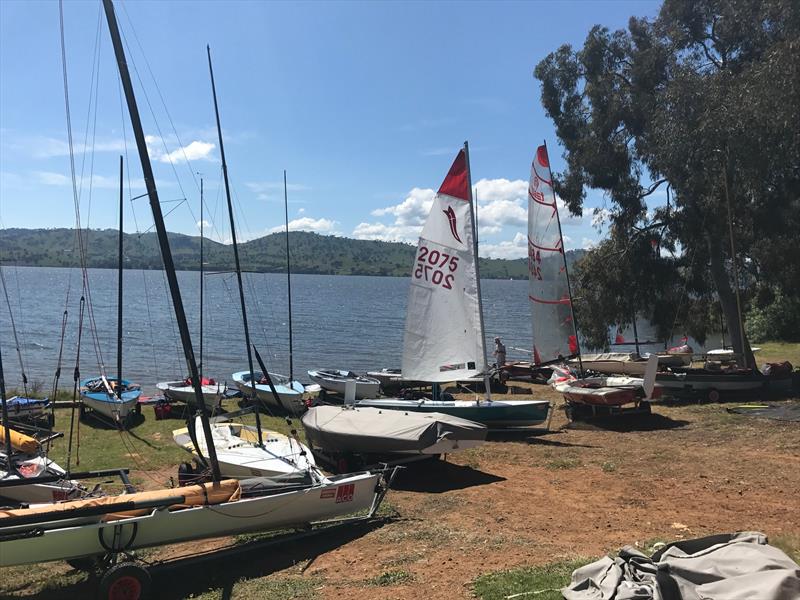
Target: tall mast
{"points": [[163, 241], [6, 427], [477, 274], [288, 272], [119, 290], [235, 245], [566, 271], [200, 364]]}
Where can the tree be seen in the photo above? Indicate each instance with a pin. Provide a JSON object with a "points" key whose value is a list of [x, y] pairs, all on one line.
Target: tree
{"points": [[700, 102]]}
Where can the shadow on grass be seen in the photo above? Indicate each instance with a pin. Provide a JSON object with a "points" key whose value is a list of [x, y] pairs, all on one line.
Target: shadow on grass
{"points": [[534, 437], [97, 421], [222, 569], [630, 422], [437, 476]]}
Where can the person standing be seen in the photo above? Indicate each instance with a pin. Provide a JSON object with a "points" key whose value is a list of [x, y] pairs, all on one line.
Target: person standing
{"points": [[499, 352]]}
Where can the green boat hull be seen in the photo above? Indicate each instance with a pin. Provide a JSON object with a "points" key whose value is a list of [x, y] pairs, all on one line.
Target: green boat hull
{"points": [[514, 413]]}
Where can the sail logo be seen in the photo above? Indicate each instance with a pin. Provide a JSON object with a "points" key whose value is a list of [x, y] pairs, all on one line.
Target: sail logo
{"points": [[451, 217], [345, 493]]}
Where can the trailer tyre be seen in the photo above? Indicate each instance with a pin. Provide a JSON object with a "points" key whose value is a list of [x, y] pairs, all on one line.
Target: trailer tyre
{"points": [[713, 395], [125, 581]]}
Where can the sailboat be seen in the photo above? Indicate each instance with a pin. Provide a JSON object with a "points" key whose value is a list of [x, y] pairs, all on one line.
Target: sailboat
{"points": [[22, 461], [444, 335], [113, 397], [279, 392], [555, 332], [115, 525], [183, 390]]}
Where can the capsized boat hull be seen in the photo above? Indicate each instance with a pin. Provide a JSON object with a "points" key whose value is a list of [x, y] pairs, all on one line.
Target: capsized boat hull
{"points": [[115, 408], [289, 392], [338, 496], [336, 381], [367, 430], [494, 413], [178, 391]]}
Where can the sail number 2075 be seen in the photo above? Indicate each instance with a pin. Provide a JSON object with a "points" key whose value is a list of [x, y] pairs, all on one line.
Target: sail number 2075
{"points": [[432, 265]]}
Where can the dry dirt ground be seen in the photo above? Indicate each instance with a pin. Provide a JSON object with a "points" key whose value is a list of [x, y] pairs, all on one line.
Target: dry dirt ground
{"points": [[685, 471]]}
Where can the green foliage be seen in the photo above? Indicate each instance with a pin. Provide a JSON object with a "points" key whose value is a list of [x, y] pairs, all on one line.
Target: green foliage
{"points": [[700, 101], [310, 253], [389, 578], [543, 582], [774, 316]]}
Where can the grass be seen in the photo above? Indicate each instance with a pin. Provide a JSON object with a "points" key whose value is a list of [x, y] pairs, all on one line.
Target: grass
{"points": [[778, 352], [286, 588], [389, 578], [545, 582]]}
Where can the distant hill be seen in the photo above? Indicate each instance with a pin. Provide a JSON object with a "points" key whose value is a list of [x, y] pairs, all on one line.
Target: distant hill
{"points": [[311, 253]]}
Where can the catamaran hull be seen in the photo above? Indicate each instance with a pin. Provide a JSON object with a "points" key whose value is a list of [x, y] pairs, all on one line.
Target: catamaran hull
{"points": [[289, 392], [507, 413], [339, 497], [178, 392]]}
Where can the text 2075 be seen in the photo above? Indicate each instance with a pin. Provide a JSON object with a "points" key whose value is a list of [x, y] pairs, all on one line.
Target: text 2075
{"points": [[432, 265]]}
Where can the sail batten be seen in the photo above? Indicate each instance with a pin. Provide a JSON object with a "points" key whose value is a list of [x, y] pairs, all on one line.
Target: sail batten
{"points": [[443, 336], [548, 288]]}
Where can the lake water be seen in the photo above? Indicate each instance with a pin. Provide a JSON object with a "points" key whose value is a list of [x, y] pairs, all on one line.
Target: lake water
{"points": [[345, 322]]}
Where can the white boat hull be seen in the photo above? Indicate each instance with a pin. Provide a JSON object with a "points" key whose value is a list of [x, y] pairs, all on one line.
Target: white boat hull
{"points": [[366, 387], [335, 498], [240, 457], [115, 411], [37, 493], [289, 392], [179, 392], [494, 413], [624, 363]]}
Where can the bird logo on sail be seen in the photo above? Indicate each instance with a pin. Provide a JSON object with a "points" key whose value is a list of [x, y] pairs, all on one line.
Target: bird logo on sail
{"points": [[451, 217]]}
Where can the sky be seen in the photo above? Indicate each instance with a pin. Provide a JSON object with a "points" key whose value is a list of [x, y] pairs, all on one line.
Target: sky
{"points": [[364, 104]]}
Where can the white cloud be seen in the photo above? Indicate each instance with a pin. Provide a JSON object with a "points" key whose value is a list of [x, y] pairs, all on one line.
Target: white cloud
{"points": [[516, 248], [204, 223], [588, 243], [301, 210], [308, 224], [411, 211], [195, 150], [387, 233], [97, 181]]}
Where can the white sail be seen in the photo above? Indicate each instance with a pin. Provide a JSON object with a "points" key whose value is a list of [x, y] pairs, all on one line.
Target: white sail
{"points": [[443, 334], [548, 290]]}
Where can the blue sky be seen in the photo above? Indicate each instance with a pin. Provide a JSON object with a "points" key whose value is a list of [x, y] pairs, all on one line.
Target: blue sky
{"points": [[364, 104]]}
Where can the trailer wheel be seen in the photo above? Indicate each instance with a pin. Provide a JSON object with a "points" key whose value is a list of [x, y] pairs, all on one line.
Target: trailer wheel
{"points": [[712, 395], [124, 581]]}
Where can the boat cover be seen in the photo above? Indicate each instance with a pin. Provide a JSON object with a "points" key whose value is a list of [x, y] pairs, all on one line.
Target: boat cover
{"points": [[732, 566], [377, 431]]}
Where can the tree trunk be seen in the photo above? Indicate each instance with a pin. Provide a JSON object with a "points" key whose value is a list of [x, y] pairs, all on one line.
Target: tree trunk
{"points": [[727, 299]]}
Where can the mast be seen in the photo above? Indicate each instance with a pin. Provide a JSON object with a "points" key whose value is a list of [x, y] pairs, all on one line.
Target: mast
{"points": [[742, 345], [163, 241], [235, 245], [119, 290], [6, 428], [477, 275], [566, 272], [200, 363], [288, 273]]}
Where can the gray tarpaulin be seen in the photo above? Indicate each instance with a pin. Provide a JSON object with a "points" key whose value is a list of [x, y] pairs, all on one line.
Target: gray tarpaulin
{"points": [[379, 431], [739, 566]]}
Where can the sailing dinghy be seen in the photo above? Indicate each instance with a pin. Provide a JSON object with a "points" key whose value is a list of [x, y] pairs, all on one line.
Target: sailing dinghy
{"points": [[335, 380], [183, 391], [555, 333], [243, 453], [444, 336]]}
